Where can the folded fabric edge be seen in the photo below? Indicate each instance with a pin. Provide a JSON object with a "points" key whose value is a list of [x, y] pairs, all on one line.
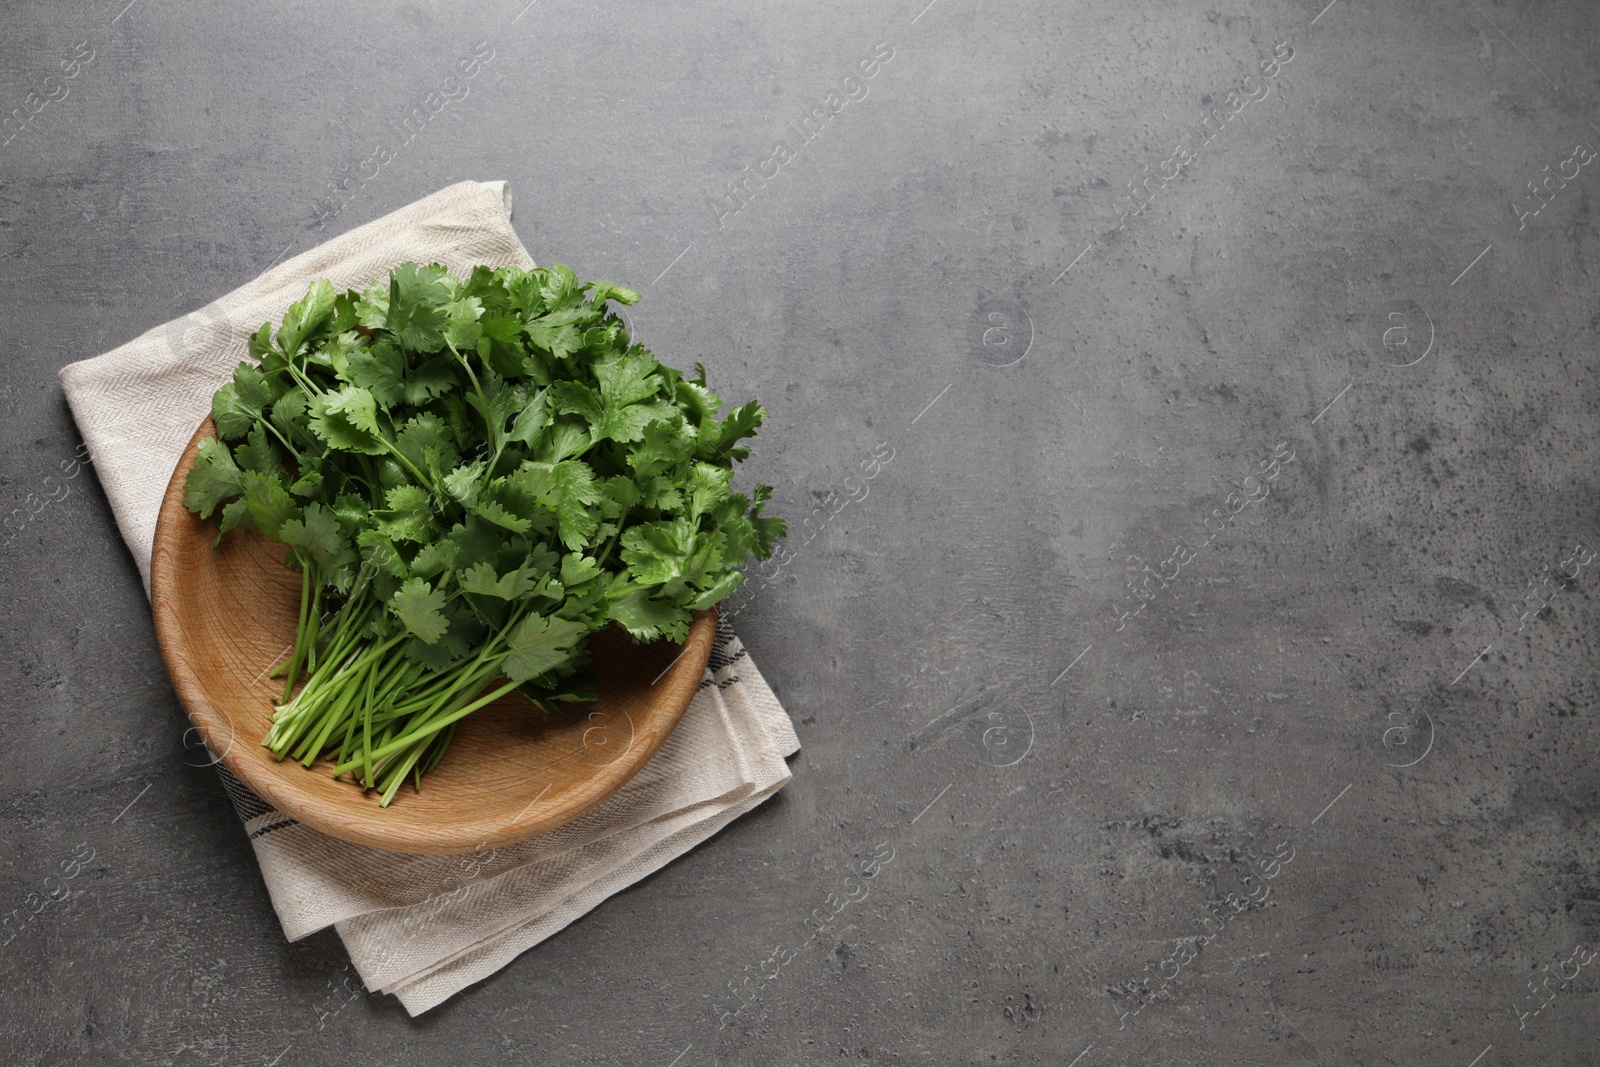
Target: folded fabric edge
{"points": [[756, 698], [435, 987], [503, 187], [613, 858]]}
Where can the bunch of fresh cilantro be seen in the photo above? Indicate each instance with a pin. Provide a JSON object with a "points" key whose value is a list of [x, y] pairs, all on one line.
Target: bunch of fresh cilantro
{"points": [[472, 476]]}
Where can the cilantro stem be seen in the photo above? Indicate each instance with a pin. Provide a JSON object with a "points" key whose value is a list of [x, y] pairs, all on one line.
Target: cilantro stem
{"points": [[428, 729], [488, 412], [612, 542], [300, 628], [440, 743], [313, 626], [299, 460], [366, 740]]}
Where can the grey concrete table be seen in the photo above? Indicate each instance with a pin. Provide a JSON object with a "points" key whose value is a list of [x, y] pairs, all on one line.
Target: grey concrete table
{"points": [[1214, 646]]}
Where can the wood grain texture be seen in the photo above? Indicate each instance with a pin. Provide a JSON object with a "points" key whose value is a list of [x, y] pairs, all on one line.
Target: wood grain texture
{"points": [[225, 616]]}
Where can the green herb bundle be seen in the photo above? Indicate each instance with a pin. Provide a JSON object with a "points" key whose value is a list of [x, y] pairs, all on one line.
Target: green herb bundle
{"points": [[472, 476]]}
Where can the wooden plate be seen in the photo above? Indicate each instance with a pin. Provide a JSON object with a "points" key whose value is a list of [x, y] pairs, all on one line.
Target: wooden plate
{"points": [[225, 616]]}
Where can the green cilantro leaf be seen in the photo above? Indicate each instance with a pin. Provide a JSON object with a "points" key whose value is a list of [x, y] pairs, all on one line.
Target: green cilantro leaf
{"points": [[416, 316], [707, 487], [657, 552], [213, 479], [269, 501], [481, 579], [408, 514], [628, 379], [233, 513], [258, 453], [434, 558], [741, 422], [382, 553], [568, 489], [418, 607], [646, 618], [538, 645], [461, 327], [465, 483], [578, 570], [564, 439], [500, 515], [305, 316], [600, 292], [316, 533], [239, 404], [380, 370], [347, 419], [432, 378], [532, 419]]}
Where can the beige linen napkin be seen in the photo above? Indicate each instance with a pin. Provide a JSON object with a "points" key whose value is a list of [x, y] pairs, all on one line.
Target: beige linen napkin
{"points": [[423, 927]]}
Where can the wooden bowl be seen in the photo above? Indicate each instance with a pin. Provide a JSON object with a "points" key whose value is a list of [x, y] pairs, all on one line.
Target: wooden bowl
{"points": [[225, 616]]}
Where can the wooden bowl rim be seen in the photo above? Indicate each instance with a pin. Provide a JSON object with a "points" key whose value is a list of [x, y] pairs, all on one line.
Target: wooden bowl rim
{"points": [[364, 824]]}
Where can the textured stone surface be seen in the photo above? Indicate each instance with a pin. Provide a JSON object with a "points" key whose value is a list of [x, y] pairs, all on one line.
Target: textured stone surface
{"points": [[1343, 674]]}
